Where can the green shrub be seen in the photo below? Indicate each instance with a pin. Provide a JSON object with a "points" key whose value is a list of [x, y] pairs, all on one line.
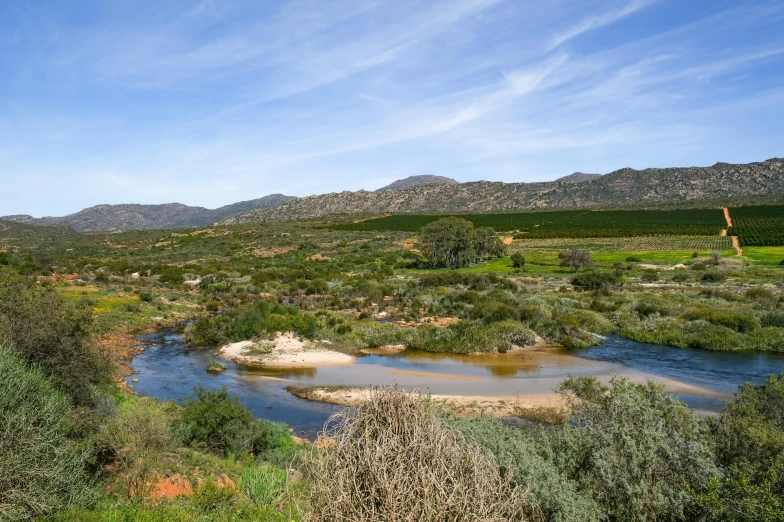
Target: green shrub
{"points": [[51, 335], [139, 428], [40, 469], [773, 319], [527, 455], [734, 320], [714, 276], [749, 439], [638, 452], [650, 275], [633, 259], [594, 279], [211, 420], [263, 484], [209, 496], [218, 422], [518, 260]]}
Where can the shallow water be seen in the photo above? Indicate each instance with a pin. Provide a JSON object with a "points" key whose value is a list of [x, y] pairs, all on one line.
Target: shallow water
{"points": [[169, 370]]}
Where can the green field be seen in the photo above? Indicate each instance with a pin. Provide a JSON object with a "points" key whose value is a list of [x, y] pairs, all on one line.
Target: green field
{"points": [[569, 223], [758, 226]]}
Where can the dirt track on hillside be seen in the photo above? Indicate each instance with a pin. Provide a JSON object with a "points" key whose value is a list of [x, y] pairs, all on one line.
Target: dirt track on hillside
{"points": [[727, 217]]}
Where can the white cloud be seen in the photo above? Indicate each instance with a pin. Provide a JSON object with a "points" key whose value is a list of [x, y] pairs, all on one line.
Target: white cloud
{"points": [[593, 22]]}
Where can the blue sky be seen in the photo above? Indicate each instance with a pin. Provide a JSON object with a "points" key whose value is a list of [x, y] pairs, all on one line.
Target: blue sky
{"points": [[215, 101]]}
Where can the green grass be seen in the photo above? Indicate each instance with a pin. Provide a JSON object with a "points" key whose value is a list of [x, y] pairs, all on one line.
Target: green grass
{"points": [[658, 257], [772, 255]]}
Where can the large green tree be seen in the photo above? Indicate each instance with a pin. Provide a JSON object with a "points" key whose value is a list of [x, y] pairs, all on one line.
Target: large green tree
{"points": [[454, 243]]}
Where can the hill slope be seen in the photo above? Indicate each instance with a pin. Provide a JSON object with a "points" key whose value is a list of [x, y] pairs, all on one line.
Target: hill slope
{"points": [[579, 177], [417, 181], [622, 187], [110, 218]]}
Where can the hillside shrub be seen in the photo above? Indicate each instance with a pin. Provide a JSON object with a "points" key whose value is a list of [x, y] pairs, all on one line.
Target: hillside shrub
{"points": [[641, 454], [773, 319], [527, 456], [393, 458], [714, 276], [40, 469], [51, 335], [593, 279], [216, 421], [749, 439], [734, 320], [518, 260]]}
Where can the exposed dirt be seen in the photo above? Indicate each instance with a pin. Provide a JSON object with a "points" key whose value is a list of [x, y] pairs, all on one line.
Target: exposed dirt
{"points": [[508, 241], [172, 487], [727, 217], [286, 351], [501, 406], [736, 245]]}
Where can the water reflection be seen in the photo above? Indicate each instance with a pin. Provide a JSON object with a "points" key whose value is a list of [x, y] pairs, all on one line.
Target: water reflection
{"points": [[169, 370]]}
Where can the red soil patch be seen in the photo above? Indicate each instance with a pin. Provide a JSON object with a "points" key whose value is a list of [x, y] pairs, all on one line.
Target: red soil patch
{"points": [[727, 217], [172, 487], [508, 241], [736, 245]]}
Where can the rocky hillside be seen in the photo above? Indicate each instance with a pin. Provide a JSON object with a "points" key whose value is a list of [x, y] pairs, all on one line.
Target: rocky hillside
{"points": [[418, 181], [619, 188], [579, 177], [110, 218]]}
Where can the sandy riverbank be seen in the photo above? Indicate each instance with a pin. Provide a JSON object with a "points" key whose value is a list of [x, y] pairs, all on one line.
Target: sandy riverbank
{"points": [[539, 405], [285, 351]]}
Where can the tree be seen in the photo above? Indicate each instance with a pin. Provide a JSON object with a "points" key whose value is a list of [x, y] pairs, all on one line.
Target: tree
{"points": [[576, 258], [487, 243], [715, 257], [454, 243], [518, 260]]}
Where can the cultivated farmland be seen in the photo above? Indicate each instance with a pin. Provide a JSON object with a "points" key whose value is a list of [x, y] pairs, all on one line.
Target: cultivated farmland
{"points": [[570, 223], [758, 226]]}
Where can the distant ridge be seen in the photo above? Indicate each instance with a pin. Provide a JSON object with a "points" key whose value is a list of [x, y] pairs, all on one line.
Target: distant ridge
{"points": [[579, 177], [116, 218], [418, 181], [623, 187]]}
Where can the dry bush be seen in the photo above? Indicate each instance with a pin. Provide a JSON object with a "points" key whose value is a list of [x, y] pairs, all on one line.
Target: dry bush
{"points": [[394, 460]]}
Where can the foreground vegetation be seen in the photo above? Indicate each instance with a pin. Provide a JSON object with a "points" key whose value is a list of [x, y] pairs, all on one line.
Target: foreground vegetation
{"points": [[76, 447]]}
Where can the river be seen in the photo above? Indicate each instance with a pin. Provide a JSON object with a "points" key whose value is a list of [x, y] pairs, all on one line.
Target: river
{"points": [[169, 370]]}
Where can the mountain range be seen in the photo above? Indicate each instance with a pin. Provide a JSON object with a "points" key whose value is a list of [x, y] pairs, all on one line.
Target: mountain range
{"points": [[418, 181], [115, 218], [623, 187], [438, 194]]}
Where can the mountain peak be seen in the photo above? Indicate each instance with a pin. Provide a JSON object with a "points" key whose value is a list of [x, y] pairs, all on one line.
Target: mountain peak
{"points": [[418, 181], [579, 177]]}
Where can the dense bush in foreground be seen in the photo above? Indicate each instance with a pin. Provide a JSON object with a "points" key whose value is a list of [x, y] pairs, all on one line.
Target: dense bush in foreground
{"points": [[50, 334], [394, 460], [40, 469]]}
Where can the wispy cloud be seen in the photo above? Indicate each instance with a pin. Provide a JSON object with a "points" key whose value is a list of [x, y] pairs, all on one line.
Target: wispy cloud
{"points": [[212, 102], [597, 21]]}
